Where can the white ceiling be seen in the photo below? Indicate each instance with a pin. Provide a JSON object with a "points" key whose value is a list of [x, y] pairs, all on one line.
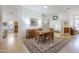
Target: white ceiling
{"points": [[51, 8]]}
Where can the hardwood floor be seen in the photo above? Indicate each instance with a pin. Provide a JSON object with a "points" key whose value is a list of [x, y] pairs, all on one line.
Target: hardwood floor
{"points": [[72, 46], [12, 44]]}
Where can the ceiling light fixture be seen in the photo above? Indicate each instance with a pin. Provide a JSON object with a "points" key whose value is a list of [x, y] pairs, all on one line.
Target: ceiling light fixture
{"points": [[68, 8], [45, 6]]}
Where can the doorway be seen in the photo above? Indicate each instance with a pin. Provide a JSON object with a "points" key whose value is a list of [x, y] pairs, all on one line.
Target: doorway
{"points": [[10, 26], [10, 31]]}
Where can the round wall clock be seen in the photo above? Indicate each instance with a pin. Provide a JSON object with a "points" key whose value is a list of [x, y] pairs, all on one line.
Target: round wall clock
{"points": [[55, 17]]}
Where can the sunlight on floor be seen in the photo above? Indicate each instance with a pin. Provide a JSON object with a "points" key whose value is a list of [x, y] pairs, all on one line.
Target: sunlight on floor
{"points": [[76, 43], [10, 40]]}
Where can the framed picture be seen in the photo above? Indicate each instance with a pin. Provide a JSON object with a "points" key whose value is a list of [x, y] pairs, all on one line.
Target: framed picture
{"points": [[4, 23], [34, 22], [66, 23]]}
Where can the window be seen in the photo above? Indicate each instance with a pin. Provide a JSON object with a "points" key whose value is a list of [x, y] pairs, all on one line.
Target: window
{"points": [[77, 23]]}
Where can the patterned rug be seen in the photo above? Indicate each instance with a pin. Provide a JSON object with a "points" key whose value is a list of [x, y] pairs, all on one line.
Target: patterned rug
{"points": [[47, 47]]}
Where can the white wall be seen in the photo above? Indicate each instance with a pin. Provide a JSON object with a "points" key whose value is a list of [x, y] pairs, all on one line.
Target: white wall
{"points": [[9, 13], [23, 15], [12, 13], [27, 14], [1, 24], [62, 16]]}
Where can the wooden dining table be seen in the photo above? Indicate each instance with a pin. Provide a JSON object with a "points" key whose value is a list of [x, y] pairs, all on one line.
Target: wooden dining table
{"points": [[43, 36]]}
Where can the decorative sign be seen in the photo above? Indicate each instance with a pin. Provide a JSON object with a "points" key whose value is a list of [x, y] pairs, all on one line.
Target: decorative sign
{"points": [[55, 17]]}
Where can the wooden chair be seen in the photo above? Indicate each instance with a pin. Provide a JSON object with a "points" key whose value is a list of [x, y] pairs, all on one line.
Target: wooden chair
{"points": [[38, 37], [51, 36]]}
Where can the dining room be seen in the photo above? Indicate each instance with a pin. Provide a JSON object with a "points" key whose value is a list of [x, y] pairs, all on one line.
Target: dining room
{"points": [[41, 28]]}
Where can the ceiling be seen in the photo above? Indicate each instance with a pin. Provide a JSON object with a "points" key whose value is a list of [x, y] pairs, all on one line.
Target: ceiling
{"points": [[49, 10], [52, 8]]}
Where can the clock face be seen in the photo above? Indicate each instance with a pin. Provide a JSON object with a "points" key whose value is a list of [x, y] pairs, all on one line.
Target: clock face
{"points": [[55, 17]]}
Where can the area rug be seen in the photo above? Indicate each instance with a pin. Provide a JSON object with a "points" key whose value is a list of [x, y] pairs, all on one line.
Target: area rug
{"points": [[47, 47]]}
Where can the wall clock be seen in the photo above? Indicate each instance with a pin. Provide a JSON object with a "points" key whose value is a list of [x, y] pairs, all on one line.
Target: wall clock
{"points": [[55, 17]]}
